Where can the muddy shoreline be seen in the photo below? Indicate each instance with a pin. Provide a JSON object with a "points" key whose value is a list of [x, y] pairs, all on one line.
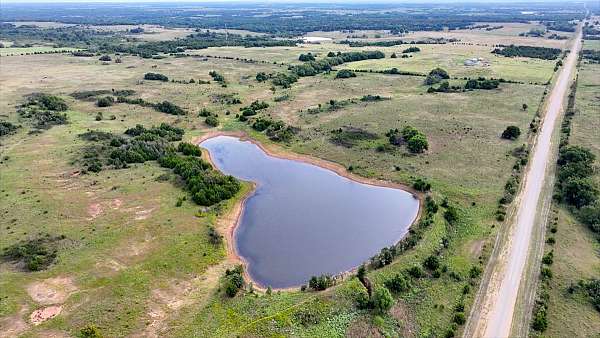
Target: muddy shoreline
{"points": [[230, 221]]}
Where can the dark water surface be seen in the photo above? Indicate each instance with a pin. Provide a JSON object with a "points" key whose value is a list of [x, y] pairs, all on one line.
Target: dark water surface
{"points": [[304, 220]]}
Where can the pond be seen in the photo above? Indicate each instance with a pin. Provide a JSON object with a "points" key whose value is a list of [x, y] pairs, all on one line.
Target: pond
{"points": [[304, 220]]}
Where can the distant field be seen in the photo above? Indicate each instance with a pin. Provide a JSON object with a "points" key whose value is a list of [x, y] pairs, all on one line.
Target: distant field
{"points": [[452, 57], [592, 44]]}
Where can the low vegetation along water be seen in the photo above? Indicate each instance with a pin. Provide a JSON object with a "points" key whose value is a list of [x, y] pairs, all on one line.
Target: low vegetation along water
{"points": [[304, 220]]}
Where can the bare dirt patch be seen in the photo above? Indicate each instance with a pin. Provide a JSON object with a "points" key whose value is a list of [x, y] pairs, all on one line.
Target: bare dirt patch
{"points": [[94, 210], [52, 290], [143, 214], [476, 247], [406, 319], [41, 315], [165, 302], [12, 326], [361, 328]]}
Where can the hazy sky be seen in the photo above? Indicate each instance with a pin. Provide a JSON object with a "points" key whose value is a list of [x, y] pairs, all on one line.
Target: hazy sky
{"points": [[279, 1]]}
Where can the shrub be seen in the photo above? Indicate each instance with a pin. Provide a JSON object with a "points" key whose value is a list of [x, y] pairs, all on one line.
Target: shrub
{"points": [[7, 128], [90, 331], [436, 75], [451, 214], [475, 271], [398, 283], [105, 58], [214, 237], [169, 108], [212, 121], [261, 77], [320, 283], [156, 77], [540, 320], [421, 185], [430, 205], [416, 271], [412, 50], [36, 254], [234, 281], [106, 101], [382, 300], [345, 74], [546, 273], [306, 57], [189, 149], [459, 318], [217, 76], [48, 102], [511, 133], [432, 262]]}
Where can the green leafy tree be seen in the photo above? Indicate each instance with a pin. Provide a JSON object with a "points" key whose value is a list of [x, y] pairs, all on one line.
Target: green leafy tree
{"points": [[382, 300]]}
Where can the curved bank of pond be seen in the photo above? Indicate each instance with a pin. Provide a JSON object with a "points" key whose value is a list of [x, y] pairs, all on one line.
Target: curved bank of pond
{"points": [[304, 220]]}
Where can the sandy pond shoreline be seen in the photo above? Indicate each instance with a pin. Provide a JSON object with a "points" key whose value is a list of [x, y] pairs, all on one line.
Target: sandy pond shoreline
{"points": [[229, 221]]}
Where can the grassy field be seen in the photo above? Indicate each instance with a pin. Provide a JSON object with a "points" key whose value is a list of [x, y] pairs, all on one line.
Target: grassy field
{"points": [[576, 249], [135, 264]]}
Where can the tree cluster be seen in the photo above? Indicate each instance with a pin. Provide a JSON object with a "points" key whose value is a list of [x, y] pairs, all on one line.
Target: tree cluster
{"points": [[414, 139], [528, 51]]}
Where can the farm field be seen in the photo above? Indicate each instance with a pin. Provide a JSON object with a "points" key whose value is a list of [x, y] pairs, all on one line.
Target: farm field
{"points": [[137, 255]]}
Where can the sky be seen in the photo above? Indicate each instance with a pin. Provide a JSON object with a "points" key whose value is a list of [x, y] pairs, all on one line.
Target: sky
{"points": [[275, 1]]}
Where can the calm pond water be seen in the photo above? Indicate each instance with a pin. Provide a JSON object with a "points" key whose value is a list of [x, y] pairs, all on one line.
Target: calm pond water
{"points": [[304, 220]]}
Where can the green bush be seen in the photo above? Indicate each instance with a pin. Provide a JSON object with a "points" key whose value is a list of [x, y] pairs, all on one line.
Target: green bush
{"points": [[398, 283], [234, 281], [320, 283], [432, 262], [189, 149], [459, 318], [511, 133], [421, 185], [36, 254], [156, 77], [345, 74], [382, 300], [106, 101], [212, 121], [90, 331]]}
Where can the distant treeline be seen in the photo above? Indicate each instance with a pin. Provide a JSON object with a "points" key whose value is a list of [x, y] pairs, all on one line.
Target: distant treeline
{"points": [[325, 17], [592, 55], [391, 43], [528, 51], [200, 40]]}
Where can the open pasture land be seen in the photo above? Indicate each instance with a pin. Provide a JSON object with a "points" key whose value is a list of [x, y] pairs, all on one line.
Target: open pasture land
{"points": [[133, 263]]}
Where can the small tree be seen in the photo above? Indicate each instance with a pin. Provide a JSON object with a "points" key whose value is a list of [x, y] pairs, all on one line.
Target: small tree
{"points": [[382, 300], [525, 106], [431, 262], [511, 133], [417, 144], [261, 77]]}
